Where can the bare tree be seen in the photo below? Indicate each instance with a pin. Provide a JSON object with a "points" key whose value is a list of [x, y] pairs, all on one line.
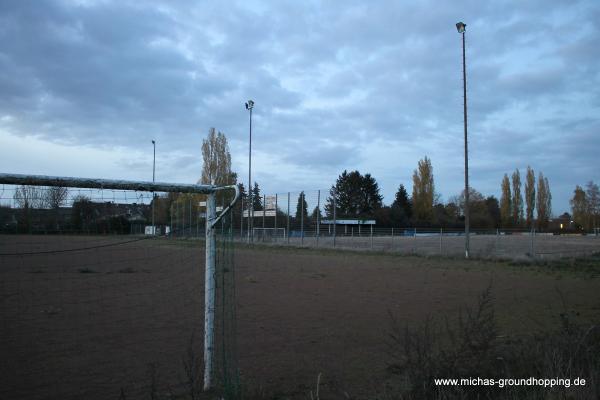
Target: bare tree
{"points": [[517, 203], [593, 197], [580, 207], [54, 197], [506, 203], [423, 191], [529, 196], [26, 196]]}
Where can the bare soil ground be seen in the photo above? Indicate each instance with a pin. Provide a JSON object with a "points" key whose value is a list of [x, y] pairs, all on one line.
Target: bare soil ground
{"points": [[92, 323]]}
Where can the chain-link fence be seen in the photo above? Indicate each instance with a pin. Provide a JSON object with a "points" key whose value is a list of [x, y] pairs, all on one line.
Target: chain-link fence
{"points": [[309, 219]]}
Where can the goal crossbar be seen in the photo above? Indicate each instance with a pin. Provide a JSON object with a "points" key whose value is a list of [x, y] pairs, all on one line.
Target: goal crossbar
{"points": [[141, 186]]}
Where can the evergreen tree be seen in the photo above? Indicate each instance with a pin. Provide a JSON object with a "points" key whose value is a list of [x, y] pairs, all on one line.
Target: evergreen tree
{"points": [[401, 210], [356, 196], [302, 211], [316, 215], [257, 198]]}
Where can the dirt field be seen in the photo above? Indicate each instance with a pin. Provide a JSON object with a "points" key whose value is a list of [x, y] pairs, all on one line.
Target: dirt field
{"points": [[90, 324]]}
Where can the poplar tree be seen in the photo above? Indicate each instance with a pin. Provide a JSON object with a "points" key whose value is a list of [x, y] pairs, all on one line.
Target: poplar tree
{"points": [[423, 192], [517, 199], [216, 166], [506, 202], [529, 196], [544, 202]]}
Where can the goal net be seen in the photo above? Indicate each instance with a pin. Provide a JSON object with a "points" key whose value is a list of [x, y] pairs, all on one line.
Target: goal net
{"points": [[103, 289]]}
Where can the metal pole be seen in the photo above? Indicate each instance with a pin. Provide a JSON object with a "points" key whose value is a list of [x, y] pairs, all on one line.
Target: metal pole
{"points": [[318, 214], [242, 219], [371, 237], [276, 208], [251, 204], [441, 234], [334, 218], [415, 241], [209, 289], [301, 218], [466, 149], [190, 217], [288, 219], [153, 176]]}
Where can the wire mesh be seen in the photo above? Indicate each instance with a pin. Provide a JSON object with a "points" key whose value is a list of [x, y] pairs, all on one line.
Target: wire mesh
{"points": [[307, 219], [97, 303]]}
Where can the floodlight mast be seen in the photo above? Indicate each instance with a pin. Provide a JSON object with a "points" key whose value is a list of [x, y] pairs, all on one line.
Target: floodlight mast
{"points": [[460, 27], [153, 181], [249, 107]]}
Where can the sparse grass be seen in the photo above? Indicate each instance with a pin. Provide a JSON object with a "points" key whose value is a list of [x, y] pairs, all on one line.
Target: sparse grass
{"points": [[472, 347]]}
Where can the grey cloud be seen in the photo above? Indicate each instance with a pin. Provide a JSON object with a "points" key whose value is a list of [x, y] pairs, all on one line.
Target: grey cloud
{"points": [[327, 79]]}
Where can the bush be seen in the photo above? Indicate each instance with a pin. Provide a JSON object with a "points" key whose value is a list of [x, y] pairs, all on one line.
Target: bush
{"points": [[471, 348]]}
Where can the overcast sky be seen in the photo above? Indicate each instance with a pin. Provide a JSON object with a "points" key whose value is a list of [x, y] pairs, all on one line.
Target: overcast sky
{"points": [[375, 86]]}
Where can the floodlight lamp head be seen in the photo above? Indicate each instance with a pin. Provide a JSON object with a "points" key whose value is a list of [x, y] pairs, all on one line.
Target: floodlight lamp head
{"points": [[249, 105], [460, 27], [153, 142]]}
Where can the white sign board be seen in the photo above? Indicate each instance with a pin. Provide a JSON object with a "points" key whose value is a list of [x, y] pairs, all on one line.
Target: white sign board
{"points": [[258, 214], [270, 202], [349, 222]]}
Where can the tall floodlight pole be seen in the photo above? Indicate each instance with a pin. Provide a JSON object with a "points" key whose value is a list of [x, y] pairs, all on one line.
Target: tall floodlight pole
{"points": [[153, 176], [249, 106], [461, 29]]}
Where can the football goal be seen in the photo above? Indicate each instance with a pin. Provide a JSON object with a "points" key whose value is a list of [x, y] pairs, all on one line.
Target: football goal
{"points": [[105, 276]]}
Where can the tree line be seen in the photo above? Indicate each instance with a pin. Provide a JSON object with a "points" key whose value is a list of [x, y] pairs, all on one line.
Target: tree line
{"points": [[357, 196]]}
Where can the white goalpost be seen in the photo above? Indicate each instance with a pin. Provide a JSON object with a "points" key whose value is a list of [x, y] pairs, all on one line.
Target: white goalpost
{"points": [[269, 233], [212, 218]]}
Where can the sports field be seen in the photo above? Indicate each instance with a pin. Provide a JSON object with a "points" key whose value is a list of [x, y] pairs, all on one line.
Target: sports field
{"points": [[119, 321]]}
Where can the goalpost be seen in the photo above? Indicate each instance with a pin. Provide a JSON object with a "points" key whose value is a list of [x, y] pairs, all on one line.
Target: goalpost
{"points": [[269, 233], [212, 218]]}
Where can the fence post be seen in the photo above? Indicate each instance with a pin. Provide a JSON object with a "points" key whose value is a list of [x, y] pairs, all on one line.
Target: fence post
{"points": [[392, 248], [190, 216], [334, 217], [241, 218], [209, 289], [288, 219], [301, 199], [371, 237], [532, 242], [415, 241], [441, 247], [318, 214], [276, 208], [171, 230], [264, 213]]}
